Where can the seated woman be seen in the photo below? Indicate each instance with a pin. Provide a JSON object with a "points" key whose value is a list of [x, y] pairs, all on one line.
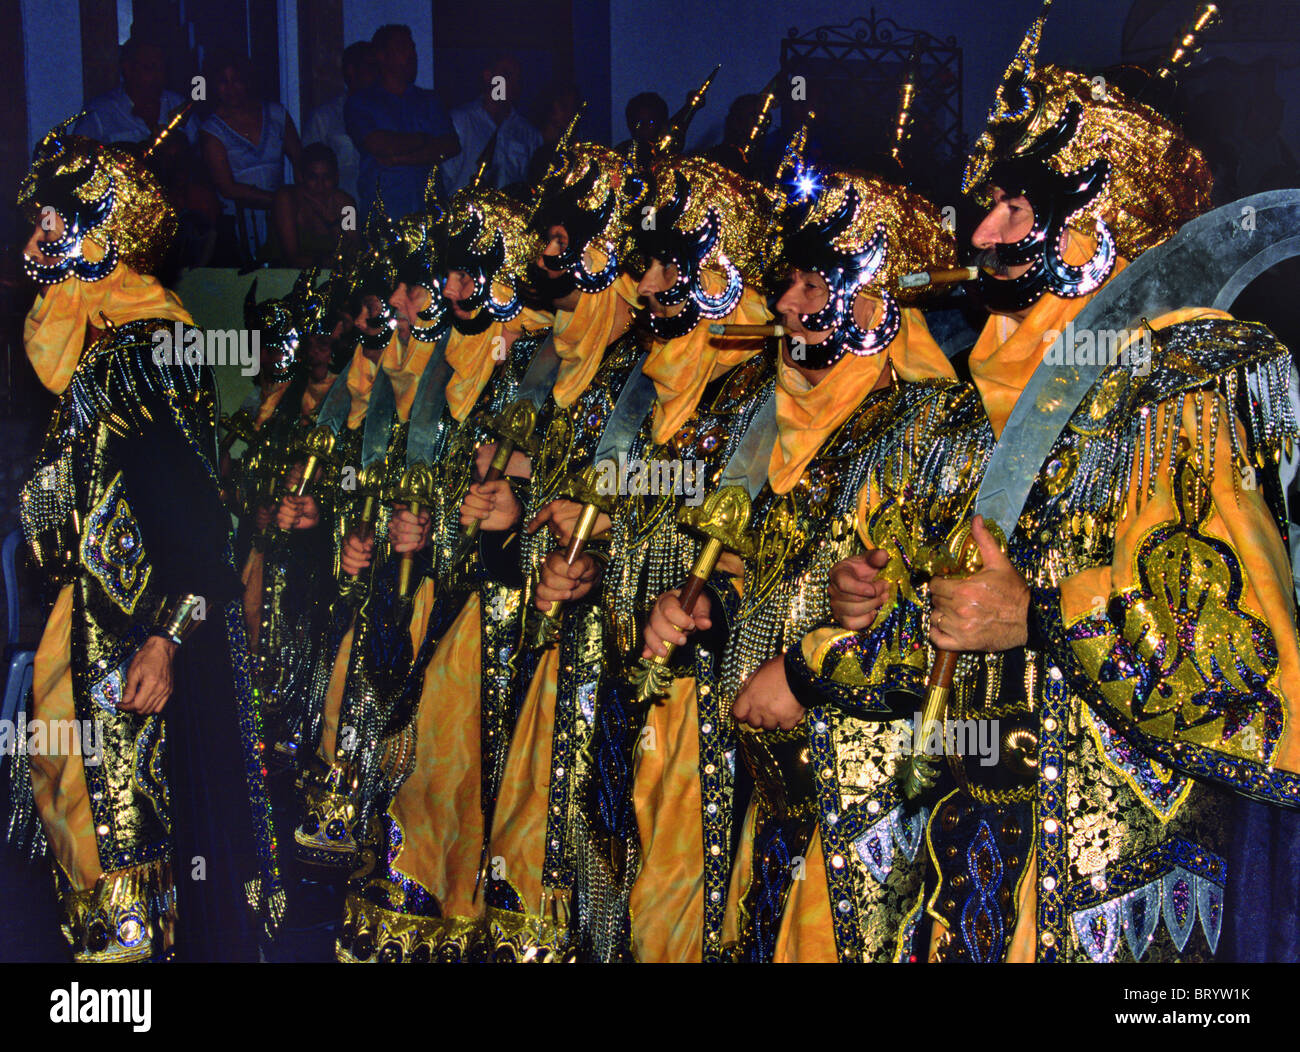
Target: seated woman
{"points": [[244, 143], [309, 215]]}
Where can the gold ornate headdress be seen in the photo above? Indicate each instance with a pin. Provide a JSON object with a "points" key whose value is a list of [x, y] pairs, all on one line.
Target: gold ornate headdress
{"points": [[1156, 179], [99, 192], [698, 215], [490, 238], [861, 233], [586, 193]]}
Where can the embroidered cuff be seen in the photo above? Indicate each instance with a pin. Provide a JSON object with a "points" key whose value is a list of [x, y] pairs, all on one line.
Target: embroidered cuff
{"points": [[179, 620]]}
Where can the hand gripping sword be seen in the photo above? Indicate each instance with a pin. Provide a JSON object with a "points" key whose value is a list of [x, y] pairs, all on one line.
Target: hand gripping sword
{"points": [[634, 402], [1207, 263], [723, 521]]}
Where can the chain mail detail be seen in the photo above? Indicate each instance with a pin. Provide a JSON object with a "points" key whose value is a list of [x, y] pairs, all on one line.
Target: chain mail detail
{"points": [[650, 554], [833, 772]]}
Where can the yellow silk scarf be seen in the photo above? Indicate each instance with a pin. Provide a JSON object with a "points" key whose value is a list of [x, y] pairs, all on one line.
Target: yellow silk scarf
{"points": [[472, 358], [807, 414], [404, 366], [682, 368], [360, 379], [1006, 354], [582, 336], [270, 399], [54, 331], [315, 394]]}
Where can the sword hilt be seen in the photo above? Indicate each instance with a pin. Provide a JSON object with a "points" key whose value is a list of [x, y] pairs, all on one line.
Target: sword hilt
{"points": [[496, 469], [319, 445], [653, 677], [961, 560], [370, 483], [239, 427], [549, 625], [723, 521], [416, 490]]}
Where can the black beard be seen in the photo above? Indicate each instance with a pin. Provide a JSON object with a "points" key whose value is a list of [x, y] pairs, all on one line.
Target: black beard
{"points": [[542, 291], [990, 259], [1010, 295], [667, 327], [472, 326]]}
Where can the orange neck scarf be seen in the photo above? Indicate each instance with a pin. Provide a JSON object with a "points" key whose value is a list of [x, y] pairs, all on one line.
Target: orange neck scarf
{"points": [[472, 358], [315, 394], [404, 366], [582, 336], [807, 414], [682, 368], [1006, 353], [271, 396], [54, 331], [360, 378]]}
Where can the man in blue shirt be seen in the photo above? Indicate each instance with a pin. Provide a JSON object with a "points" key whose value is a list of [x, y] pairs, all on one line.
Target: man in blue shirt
{"points": [[493, 112], [134, 111], [401, 131]]}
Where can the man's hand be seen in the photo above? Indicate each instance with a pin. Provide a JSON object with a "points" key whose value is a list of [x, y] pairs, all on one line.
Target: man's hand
{"points": [[357, 553], [297, 513], [561, 516], [560, 582], [766, 701], [855, 592], [149, 679], [407, 532], [262, 516], [519, 465], [987, 611], [492, 504], [668, 622]]}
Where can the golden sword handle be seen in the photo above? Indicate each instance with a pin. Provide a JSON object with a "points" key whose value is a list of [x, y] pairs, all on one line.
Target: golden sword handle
{"points": [[416, 490], [653, 677], [496, 469], [920, 772], [548, 627], [723, 521]]}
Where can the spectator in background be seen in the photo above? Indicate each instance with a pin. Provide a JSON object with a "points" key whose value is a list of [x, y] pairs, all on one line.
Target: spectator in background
{"points": [[493, 112], [309, 215], [131, 115], [401, 131], [560, 104], [245, 142], [326, 125], [740, 119], [134, 111], [647, 119]]}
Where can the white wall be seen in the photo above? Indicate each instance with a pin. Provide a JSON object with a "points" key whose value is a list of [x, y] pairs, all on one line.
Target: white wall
{"points": [[52, 61], [362, 17], [290, 95]]}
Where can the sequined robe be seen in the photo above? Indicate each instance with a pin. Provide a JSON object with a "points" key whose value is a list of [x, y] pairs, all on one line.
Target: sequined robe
{"points": [[295, 583], [532, 843], [362, 734], [662, 780], [469, 696], [1162, 667], [124, 517], [852, 831]]}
